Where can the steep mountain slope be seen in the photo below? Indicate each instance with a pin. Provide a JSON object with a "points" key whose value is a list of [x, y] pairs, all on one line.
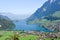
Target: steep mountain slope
{"points": [[6, 23], [48, 16], [47, 9]]}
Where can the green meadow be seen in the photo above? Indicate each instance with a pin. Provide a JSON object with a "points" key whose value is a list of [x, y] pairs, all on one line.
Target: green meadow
{"points": [[9, 35], [4, 35]]}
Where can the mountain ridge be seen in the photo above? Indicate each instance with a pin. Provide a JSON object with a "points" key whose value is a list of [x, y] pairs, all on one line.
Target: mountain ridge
{"points": [[45, 9], [47, 16], [6, 23]]}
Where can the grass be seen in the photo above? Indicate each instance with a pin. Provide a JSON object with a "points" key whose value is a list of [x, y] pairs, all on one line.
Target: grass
{"points": [[6, 34], [29, 37]]}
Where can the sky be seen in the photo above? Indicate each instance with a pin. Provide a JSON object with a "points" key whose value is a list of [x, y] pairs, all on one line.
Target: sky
{"points": [[21, 7]]}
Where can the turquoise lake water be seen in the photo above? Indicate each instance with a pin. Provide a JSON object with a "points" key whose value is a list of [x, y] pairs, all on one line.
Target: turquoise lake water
{"points": [[22, 25]]}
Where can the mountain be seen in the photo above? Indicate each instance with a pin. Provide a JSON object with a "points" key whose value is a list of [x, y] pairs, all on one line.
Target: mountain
{"points": [[48, 16], [6, 23], [47, 9], [4, 17], [12, 16]]}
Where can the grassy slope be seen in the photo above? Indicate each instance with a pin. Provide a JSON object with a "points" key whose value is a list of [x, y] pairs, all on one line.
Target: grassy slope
{"points": [[57, 14], [7, 34]]}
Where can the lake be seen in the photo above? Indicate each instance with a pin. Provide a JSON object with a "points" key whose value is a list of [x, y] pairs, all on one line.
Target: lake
{"points": [[22, 25]]}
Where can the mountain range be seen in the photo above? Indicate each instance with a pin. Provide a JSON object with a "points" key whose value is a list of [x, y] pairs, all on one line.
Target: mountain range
{"points": [[12, 16]]}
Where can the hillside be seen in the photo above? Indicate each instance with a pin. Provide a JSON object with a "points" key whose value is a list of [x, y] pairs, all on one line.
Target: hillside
{"points": [[48, 16], [6, 23]]}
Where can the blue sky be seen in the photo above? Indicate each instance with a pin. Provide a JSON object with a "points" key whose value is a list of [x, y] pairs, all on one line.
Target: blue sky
{"points": [[20, 7]]}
